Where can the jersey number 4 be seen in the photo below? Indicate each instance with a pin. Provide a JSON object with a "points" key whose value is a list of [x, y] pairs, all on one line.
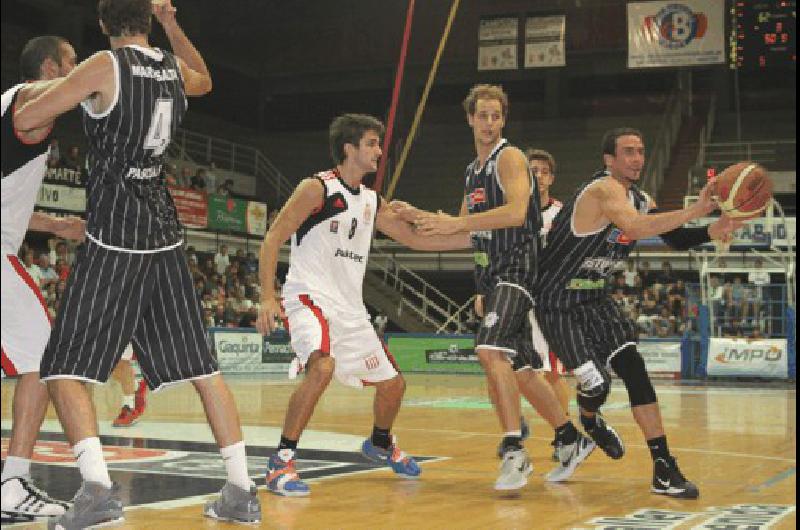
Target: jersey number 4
{"points": [[158, 136]]}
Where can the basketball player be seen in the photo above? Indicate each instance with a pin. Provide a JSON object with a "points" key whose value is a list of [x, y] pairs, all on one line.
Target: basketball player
{"points": [[133, 394], [331, 218], [501, 212], [595, 230], [25, 320], [131, 282]]}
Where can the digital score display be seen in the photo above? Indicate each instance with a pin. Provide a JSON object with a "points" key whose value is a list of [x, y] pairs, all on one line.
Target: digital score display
{"points": [[763, 34]]}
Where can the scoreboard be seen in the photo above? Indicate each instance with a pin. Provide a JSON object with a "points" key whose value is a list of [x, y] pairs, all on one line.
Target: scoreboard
{"points": [[763, 34]]}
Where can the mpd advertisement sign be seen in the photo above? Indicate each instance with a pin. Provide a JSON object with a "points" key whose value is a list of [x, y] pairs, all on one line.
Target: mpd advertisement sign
{"points": [[742, 357]]}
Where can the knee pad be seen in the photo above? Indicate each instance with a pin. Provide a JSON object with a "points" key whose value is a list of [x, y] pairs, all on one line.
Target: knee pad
{"points": [[629, 366]]}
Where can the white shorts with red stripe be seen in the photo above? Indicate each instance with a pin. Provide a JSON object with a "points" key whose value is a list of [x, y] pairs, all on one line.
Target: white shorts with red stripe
{"points": [[550, 362], [25, 320], [361, 358]]}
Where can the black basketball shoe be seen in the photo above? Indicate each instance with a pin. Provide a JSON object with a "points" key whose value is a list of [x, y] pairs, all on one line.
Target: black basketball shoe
{"points": [[607, 438], [668, 480]]}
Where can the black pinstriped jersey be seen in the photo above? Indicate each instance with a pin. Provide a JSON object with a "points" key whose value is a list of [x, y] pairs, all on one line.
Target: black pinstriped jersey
{"points": [[497, 250], [128, 204], [575, 269]]}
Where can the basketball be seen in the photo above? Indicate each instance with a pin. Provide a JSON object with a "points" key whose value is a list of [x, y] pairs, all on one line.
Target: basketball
{"points": [[743, 190]]}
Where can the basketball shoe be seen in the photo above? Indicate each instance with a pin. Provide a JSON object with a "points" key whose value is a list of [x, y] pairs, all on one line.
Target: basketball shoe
{"points": [[235, 504], [401, 463], [127, 417], [668, 480], [94, 504], [514, 470], [22, 501], [282, 479], [569, 456], [606, 438]]}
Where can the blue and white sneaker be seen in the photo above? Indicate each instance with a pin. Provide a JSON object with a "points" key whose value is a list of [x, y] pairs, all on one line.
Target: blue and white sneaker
{"points": [[282, 478], [401, 463]]}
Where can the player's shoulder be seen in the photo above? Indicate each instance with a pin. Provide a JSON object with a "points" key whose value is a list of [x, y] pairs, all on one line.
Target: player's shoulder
{"points": [[328, 174], [511, 153]]}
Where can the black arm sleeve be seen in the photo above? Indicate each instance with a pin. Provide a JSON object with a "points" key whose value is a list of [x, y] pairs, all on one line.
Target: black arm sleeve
{"points": [[685, 238]]}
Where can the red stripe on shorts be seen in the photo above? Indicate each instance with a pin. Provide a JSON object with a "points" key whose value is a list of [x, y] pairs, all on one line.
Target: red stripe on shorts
{"points": [[7, 365], [325, 345], [389, 355], [29, 281]]}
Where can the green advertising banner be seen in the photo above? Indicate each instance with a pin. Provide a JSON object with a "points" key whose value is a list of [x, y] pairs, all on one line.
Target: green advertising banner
{"points": [[226, 213], [434, 353]]}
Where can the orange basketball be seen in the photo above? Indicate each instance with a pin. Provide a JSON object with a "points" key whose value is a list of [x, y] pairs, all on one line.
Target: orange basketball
{"points": [[743, 190]]}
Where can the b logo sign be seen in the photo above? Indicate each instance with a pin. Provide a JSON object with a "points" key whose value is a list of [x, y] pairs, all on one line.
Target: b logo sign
{"points": [[676, 26]]}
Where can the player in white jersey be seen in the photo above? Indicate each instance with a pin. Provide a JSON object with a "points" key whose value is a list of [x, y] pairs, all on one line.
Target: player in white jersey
{"points": [[25, 320], [331, 218]]}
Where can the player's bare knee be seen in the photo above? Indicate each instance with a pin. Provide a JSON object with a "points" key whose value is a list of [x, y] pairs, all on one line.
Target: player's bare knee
{"points": [[629, 366], [320, 365]]}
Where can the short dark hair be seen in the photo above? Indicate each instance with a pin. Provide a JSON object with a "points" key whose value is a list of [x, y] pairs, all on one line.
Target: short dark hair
{"points": [[349, 129], [610, 138], [544, 156], [484, 91], [125, 17], [34, 54]]}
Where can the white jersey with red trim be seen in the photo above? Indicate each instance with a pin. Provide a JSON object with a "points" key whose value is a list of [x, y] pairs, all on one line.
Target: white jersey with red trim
{"points": [[331, 248], [24, 166], [549, 213]]}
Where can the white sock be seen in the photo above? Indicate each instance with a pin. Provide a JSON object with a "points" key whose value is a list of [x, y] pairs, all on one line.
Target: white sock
{"points": [[130, 401], [235, 460], [89, 454], [518, 434], [16, 466]]}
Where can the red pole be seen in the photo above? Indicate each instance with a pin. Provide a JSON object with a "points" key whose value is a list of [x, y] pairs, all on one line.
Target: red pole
{"points": [[398, 80]]}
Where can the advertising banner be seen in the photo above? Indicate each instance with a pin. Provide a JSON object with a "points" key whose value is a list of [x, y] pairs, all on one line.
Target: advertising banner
{"points": [[743, 357], [544, 41], [61, 198], [497, 44], [256, 218], [434, 353], [669, 33], [192, 206], [226, 213], [661, 358], [245, 351], [760, 232]]}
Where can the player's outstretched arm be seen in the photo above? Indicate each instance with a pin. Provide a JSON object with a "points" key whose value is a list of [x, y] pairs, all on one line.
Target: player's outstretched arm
{"points": [[307, 198], [610, 199], [93, 78], [512, 167], [196, 77], [395, 225]]}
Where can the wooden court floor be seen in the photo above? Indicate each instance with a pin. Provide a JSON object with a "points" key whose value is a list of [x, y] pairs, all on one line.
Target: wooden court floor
{"points": [[738, 443]]}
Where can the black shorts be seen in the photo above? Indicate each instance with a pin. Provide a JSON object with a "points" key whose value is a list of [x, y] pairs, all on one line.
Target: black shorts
{"points": [[115, 297], [507, 327], [592, 331]]}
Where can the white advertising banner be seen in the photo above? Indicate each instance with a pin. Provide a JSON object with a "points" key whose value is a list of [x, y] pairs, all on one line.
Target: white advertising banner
{"points": [[497, 44], [760, 232], [239, 352], [743, 357], [661, 357], [58, 197], [256, 218], [544, 41], [670, 33]]}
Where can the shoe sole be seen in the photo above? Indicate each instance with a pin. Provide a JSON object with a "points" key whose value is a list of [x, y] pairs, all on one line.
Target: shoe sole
{"points": [[682, 494], [211, 514], [572, 467], [104, 524], [118, 425], [289, 493]]}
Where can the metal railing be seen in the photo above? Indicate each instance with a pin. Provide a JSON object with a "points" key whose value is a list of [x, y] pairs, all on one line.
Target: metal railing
{"points": [[704, 137], [659, 156], [426, 301], [240, 158]]}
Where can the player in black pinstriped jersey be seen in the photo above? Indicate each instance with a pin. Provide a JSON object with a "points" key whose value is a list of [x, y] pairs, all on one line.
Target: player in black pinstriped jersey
{"points": [[501, 212], [594, 231], [131, 281]]}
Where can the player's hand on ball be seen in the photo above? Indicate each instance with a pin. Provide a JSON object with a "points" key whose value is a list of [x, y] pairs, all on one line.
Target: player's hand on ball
{"points": [[706, 202], [723, 228], [270, 311]]}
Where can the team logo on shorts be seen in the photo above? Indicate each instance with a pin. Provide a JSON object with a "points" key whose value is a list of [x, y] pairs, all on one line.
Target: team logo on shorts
{"points": [[490, 320], [334, 227]]}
